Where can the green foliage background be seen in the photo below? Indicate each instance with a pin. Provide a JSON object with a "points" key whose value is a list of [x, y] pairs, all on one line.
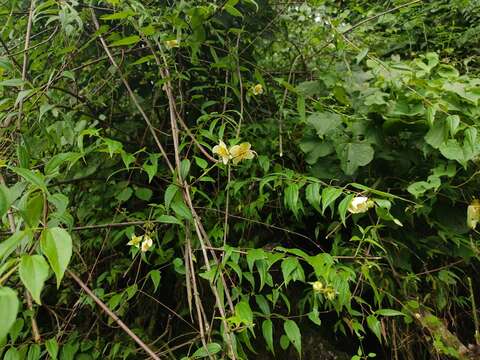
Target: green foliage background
{"points": [[109, 114]]}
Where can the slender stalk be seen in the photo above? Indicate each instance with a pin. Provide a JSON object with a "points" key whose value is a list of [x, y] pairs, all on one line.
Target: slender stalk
{"points": [[25, 60], [114, 317], [474, 311]]}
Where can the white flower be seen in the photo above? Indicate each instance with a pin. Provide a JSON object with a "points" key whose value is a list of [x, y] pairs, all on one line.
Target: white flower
{"points": [[147, 243], [360, 204], [473, 214]]}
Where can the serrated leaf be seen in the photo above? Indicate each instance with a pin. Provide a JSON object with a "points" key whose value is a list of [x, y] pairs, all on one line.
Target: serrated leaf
{"points": [[56, 244], [33, 272]]}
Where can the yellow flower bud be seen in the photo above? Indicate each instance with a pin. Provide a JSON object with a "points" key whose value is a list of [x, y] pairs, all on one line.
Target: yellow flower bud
{"points": [[257, 89], [317, 286], [172, 44]]}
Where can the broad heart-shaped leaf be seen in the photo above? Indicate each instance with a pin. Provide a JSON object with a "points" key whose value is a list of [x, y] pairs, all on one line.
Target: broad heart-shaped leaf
{"points": [[8, 310], [56, 244], [323, 122], [33, 273], [293, 334], [352, 155]]}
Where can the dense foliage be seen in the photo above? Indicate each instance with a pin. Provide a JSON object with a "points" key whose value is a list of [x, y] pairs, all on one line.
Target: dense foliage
{"points": [[239, 179]]}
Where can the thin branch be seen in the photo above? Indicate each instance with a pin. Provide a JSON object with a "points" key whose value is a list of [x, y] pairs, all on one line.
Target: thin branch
{"points": [[25, 60], [114, 317], [132, 95]]}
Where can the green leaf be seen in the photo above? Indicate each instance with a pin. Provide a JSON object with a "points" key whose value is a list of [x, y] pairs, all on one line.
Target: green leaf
{"points": [[143, 193], [289, 265], [56, 243], [118, 15], [170, 193], [323, 122], [201, 163], [52, 348], [182, 210], [210, 349], [129, 40], [353, 155], [389, 312], [262, 304], [155, 276], [12, 354], [343, 207], [12, 82], [9, 245], [232, 11], [329, 195], [436, 135], [184, 168], [22, 95], [33, 273], [284, 342], [293, 334], [151, 167], [34, 352], [9, 305], [8, 196], [312, 193], [169, 219], [267, 331], [291, 198], [314, 316], [244, 313], [452, 150], [33, 210], [374, 325], [34, 178]]}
